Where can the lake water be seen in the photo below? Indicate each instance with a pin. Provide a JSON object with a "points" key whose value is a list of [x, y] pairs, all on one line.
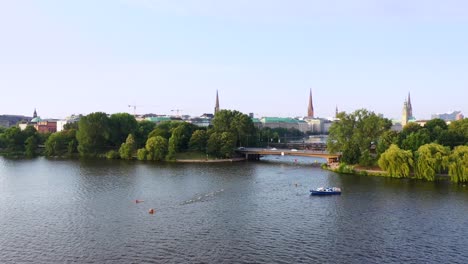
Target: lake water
{"points": [[71, 211]]}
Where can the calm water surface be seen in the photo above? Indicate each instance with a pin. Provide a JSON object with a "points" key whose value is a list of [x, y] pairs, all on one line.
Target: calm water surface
{"points": [[70, 211]]}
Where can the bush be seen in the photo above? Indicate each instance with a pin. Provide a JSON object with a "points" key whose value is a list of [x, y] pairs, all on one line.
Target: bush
{"points": [[112, 155], [141, 154]]}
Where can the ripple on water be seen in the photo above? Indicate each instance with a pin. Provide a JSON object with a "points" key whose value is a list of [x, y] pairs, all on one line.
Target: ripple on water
{"points": [[84, 212]]}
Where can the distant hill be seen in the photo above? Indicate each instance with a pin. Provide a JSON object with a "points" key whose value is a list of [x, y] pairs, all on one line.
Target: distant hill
{"points": [[12, 120]]}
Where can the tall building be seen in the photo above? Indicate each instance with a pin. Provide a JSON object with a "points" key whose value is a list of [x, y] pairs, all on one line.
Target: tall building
{"points": [[336, 112], [407, 111], [216, 109], [449, 116], [35, 113], [310, 109]]}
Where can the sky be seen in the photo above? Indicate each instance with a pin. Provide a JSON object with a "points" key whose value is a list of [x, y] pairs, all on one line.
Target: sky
{"points": [[263, 56]]}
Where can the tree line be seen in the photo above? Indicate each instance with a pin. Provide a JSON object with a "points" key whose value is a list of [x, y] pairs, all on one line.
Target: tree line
{"points": [[417, 151], [121, 136]]}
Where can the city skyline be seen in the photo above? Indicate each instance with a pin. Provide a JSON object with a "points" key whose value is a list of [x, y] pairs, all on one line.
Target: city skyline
{"points": [[263, 57]]}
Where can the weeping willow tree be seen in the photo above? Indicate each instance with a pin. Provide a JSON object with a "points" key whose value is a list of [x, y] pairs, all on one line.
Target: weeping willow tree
{"points": [[431, 159], [396, 162], [458, 167]]}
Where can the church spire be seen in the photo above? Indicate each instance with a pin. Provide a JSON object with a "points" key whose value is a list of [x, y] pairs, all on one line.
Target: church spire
{"points": [[410, 107], [336, 111], [35, 113], [310, 109], [216, 110]]}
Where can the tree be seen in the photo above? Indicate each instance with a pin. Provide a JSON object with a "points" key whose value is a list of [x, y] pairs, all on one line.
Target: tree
{"points": [[435, 128], [460, 127], [396, 162], [121, 125], [30, 146], [13, 139], [73, 125], [164, 129], [458, 165], [451, 139], [61, 143], [93, 134], [416, 139], [235, 122], [128, 148], [214, 144], [181, 136], [156, 148], [198, 140], [228, 143], [431, 159], [142, 131], [141, 154], [172, 148], [387, 138], [354, 133]]}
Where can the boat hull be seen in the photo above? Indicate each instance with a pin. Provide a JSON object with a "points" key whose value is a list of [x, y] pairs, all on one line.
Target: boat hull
{"points": [[324, 193]]}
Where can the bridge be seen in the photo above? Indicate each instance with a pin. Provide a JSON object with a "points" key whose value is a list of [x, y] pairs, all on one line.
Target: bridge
{"points": [[256, 153]]}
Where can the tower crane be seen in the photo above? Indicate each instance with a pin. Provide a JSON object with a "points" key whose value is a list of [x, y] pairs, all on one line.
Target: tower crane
{"points": [[177, 111], [134, 108]]}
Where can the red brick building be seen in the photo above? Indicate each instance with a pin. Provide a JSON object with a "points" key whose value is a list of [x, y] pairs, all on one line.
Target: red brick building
{"points": [[46, 126]]}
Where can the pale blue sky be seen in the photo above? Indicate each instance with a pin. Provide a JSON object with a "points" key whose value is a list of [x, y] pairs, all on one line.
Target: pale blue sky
{"points": [[263, 56]]}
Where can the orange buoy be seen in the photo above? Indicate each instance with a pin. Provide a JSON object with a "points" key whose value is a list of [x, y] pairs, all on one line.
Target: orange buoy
{"points": [[151, 211]]}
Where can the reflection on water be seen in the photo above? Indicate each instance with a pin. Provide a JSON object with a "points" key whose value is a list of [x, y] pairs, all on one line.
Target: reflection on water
{"points": [[56, 211]]}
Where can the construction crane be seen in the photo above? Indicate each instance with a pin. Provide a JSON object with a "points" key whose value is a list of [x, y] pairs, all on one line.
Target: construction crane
{"points": [[177, 111], [134, 108]]}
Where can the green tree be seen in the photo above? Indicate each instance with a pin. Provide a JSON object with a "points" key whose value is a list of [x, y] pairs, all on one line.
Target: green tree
{"points": [[156, 148], [164, 129], [396, 162], [435, 127], [228, 143], [142, 131], [30, 146], [172, 148], [214, 144], [128, 148], [387, 138], [73, 125], [451, 139], [354, 133], [181, 136], [431, 159], [93, 134], [460, 127], [61, 143], [13, 139], [141, 154], [198, 140], [416, 139], [458, 165], [235, 122], [121, 125]]}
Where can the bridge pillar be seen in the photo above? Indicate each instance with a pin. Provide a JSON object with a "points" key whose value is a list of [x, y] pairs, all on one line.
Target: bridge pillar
{"points": [[252, 156]]}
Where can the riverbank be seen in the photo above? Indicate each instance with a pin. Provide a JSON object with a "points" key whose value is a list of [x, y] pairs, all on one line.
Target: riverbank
{"points": [[374, 171], [208, 160]]}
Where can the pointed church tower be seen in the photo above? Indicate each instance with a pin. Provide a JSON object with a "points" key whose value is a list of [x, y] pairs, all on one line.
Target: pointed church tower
{"points": [[216, 109], [35, 113], [410, 108], [336, 112], [310, 109]]}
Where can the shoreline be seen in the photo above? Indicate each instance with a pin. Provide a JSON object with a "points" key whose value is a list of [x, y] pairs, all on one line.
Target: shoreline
{"points": [[208, 160]]}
